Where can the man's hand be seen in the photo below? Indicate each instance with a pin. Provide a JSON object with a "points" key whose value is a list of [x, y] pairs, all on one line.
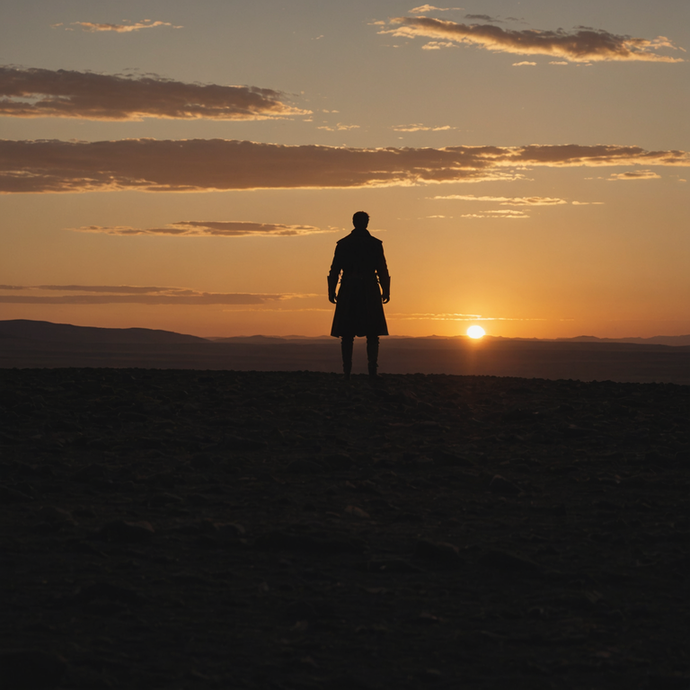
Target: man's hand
{"points": [[385, 298], [331, 298]]}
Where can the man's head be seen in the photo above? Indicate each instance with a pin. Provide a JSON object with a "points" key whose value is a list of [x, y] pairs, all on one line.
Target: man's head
{"points": [[360, 219]]}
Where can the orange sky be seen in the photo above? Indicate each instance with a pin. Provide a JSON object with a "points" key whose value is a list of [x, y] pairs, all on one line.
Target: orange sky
{"points": [[191, 167]]}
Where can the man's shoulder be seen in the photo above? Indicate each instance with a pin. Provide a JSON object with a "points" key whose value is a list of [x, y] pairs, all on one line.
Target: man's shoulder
{"points": [[367, 239]]}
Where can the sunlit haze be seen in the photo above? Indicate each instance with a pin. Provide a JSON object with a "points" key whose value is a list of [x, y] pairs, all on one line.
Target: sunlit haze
{"points": [[190, 166]]}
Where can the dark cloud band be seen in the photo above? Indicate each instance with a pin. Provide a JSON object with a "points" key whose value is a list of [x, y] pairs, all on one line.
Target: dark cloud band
{"points": [[123, 28], [581, 45], [130, 294], [223, 228], [219, 164], [64, 93]]}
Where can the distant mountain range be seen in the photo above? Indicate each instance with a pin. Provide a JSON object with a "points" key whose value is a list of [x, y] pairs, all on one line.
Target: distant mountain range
{"points": [[41, 344], [673, 340], [49, 332]]}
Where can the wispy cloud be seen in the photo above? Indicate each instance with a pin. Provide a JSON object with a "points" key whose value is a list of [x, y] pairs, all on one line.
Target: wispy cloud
{"points": [[506, 200], [483, 18], [221, 228], [340, 127], [454, 317], [508, 215], [438, 45], [219, 164], [66, 93], [124, 28], [418, 127], [579, 45], [130, 294], [635, 175], [423, 9], [524, 63]]}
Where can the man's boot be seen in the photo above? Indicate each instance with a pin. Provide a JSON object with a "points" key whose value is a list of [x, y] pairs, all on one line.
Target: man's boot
{"points": [[373, 355], [346, 345]]}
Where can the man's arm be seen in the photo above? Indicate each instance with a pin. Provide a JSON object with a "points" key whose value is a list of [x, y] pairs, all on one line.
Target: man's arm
{"points": [[385, 282], [332, 285], [384, 278], [333, 277]]}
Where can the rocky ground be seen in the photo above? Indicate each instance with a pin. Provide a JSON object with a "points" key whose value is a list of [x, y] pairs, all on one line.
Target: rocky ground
{"points": [[191, 529]]}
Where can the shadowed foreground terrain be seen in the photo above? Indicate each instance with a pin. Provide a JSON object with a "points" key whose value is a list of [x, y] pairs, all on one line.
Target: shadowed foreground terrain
{"points": [[189, 529]]}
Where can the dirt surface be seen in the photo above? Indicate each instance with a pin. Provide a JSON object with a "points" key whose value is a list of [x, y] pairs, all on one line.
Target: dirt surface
{"points": [[190, 529]]}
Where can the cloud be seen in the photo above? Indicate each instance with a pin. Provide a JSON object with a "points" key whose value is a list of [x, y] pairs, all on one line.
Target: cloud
{"points": [[127, 27], [508, 201], [66, 93], [510, 215], [420, 128], [635, 175], [452, 317], [423, 9], [524, 63], [437, 45], [340, 127], [128, 294], [222, 228], [581, 45], [218, 164], [483, 18], [559, 62]]}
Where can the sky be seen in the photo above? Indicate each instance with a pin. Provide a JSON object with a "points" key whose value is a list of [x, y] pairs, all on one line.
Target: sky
{"points": [[189, 166]]}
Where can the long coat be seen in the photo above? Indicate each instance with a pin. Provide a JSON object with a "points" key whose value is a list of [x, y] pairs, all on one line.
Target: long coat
{"points": [[359, 309]]}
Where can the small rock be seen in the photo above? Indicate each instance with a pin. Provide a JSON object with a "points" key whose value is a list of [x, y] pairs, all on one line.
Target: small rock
{"points": [[339, 461], [31, 670], [357, 512], [236, 443], [501, 486], [125, 532], [165, 499], [445, 458], [300, 611], [425, 618], [277, 540], [225, 531], [55, 515], [105, 591], [391, 565], [8, 495], [441, 554], [302, 466], [503, 560]]}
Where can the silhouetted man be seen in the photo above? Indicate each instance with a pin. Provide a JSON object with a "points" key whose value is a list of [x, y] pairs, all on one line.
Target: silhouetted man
{"points": [[364, 289]]}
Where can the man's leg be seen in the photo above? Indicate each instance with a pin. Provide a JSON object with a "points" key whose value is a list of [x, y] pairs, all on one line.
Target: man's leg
{"points": [[346, 344], [373, 354]]}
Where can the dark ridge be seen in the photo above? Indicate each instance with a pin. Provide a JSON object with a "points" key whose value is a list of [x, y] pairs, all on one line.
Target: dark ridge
{"points": [[48, 332], [35, 344], [674, 340]]}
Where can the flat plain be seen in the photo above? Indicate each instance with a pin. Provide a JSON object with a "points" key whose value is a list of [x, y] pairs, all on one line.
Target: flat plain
{"points": [[165, 528]]}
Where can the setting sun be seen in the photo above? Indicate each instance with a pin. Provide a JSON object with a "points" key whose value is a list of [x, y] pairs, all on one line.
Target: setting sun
{"points": [[476, 332]]}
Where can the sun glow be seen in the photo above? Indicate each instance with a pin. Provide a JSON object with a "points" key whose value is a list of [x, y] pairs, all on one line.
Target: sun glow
{"points": [[476, 332]]}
